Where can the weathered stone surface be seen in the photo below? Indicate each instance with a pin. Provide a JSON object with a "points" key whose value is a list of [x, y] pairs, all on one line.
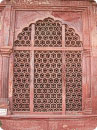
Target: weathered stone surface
{"points": [[58, 123]]}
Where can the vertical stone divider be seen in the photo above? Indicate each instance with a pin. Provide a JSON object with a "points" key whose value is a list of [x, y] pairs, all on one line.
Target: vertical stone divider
{"points": [[5, 52], [6, 24], [63, 71], [1, 26], [0, 76], [87, 108], [88, 60], [87, 89], [94, 80], [10, 83], [4, 82], [1, 44], [11, 60], [4, 74], [32, 69], [85, 35], [84, 80], [5, 71], [92, 14], [5, 66]]}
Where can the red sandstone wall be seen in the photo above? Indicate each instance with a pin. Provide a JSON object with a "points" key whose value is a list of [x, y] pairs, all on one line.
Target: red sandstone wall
{"points": [[79, 15], [94, 65], [82, 18], [89, 123], [83, 21], [4, 60]]}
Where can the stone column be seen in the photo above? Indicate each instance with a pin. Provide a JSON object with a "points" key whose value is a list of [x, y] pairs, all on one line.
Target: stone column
{"points": [[4, 73], [5, 51]]}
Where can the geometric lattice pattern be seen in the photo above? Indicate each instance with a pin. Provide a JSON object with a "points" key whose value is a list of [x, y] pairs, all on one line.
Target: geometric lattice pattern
{"points": [[71, 38], [48, 65], [73, 81], [24, 38], [48, 33], [47, 81], [21, 81]]}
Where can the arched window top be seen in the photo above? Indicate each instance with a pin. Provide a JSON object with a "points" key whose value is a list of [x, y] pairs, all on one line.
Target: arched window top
{"points": [[72, 39], [24, 38], [48, 33], [49, 20], [49, 66]]}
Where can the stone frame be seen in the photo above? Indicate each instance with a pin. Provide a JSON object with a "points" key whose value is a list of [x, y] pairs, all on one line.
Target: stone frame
{"points": [[86, 42]]}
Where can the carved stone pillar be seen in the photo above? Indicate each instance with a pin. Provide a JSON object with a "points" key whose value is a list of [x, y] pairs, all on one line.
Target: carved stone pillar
{"points": [[4, 72], [5, 51]]}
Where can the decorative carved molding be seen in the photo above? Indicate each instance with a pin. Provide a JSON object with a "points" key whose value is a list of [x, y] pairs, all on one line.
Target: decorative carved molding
{"points": [[6, 50], [29, 3]]}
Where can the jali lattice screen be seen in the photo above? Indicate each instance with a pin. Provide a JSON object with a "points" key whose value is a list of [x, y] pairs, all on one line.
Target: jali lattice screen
{"points": [[21, 69], [73, 74], [47, 81], [48, 33], [55, 69]]}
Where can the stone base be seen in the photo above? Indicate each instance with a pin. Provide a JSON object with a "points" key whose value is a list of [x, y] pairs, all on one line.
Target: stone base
{"points": [[49, 122]]}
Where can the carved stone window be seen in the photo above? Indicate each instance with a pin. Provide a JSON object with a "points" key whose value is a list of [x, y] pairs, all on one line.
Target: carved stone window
{"points": [[47, 68]]}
